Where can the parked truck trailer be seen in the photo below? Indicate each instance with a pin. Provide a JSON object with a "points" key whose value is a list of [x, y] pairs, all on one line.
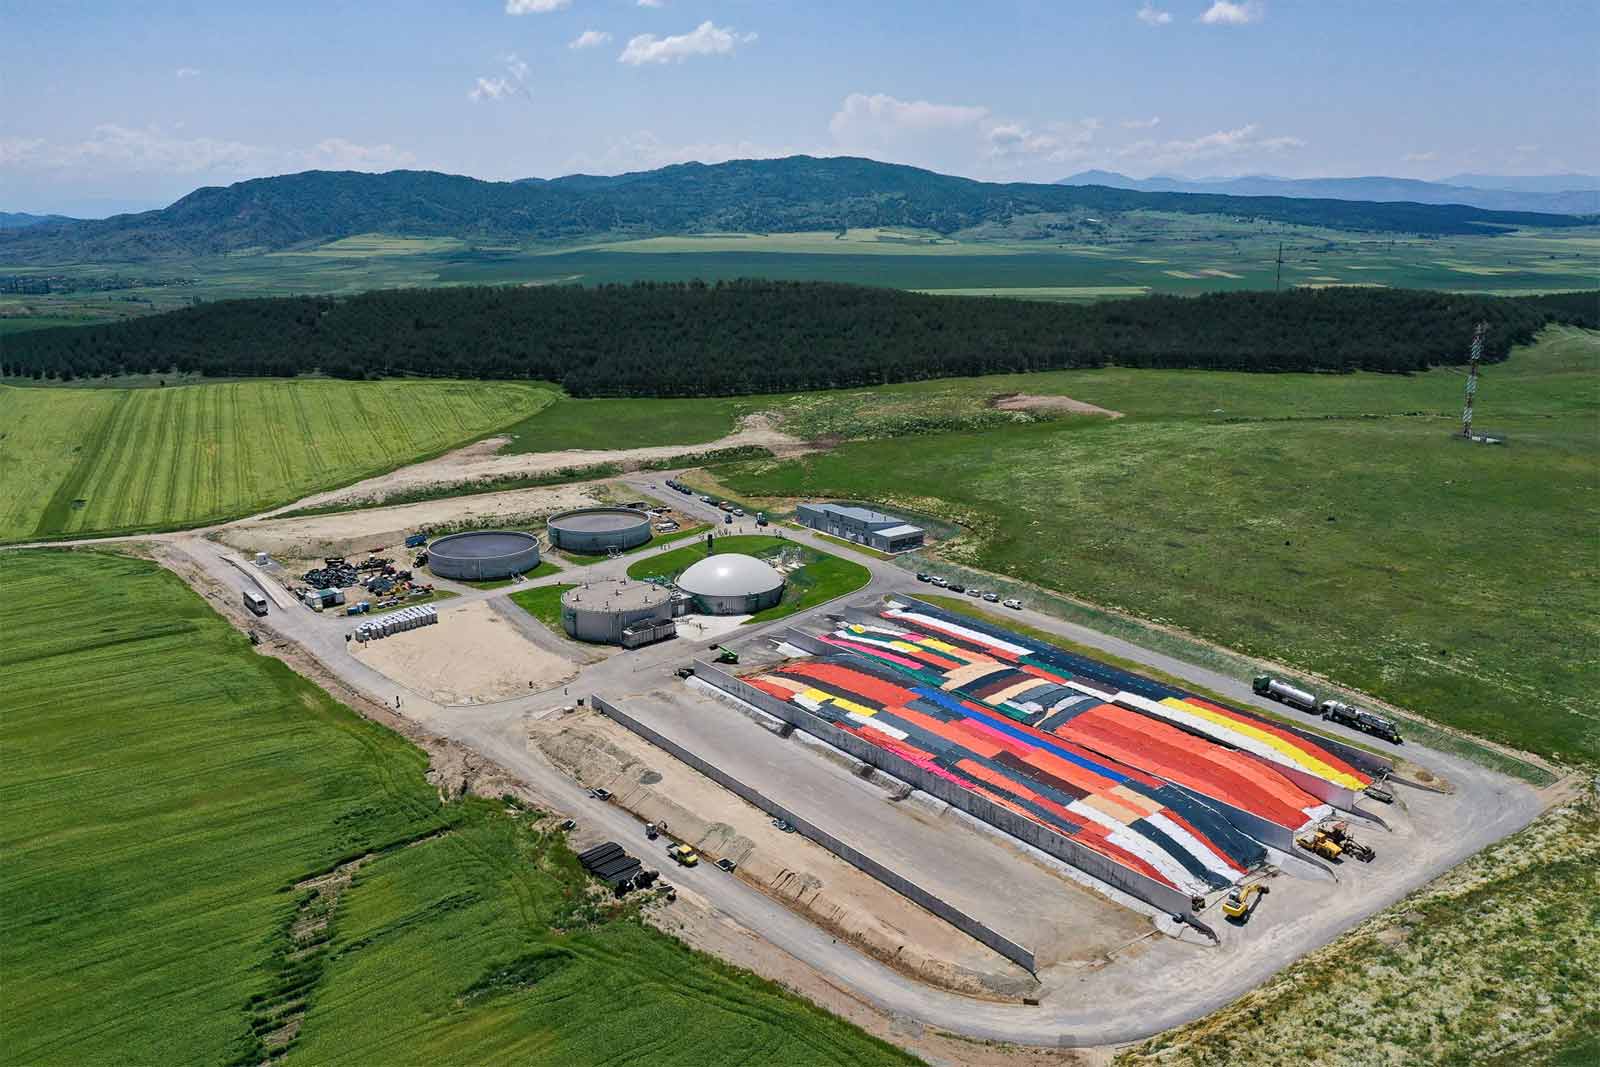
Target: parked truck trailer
{"points": [[1268, 686]]}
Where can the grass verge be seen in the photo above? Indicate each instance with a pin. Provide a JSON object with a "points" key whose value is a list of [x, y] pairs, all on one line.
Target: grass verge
{"points": [[544, 604]]}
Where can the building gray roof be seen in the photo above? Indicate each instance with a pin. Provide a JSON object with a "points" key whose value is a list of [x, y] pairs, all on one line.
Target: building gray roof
{"points": [[859, 514], [902, 530]]}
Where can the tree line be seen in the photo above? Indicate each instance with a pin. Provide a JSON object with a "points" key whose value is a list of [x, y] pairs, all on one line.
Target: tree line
{"points": [[695, 339]]}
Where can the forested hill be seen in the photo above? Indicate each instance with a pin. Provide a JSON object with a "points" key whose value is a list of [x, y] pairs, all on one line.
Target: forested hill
{"points": [[760, 337], [800, 193]]}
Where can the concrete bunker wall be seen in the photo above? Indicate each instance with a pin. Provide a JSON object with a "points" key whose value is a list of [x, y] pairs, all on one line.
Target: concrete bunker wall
{"points": [[910, 890]]}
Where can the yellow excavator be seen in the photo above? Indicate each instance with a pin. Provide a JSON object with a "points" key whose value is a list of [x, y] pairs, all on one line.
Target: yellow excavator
{"points": [[1241, 901]]}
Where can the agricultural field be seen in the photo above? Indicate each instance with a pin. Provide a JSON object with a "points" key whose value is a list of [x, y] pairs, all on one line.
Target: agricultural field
{"points": [[1037, 257], [1329, 523], [819, 578], [79, 462], [210, 861], [1493, 964]]}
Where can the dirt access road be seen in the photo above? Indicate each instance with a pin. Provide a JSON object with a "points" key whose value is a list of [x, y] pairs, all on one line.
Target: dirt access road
{"points": [[479, 461]]}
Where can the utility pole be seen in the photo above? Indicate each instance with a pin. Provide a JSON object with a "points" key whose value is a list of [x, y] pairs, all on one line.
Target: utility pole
{"points": [[1278, 285], [1472, 378]]}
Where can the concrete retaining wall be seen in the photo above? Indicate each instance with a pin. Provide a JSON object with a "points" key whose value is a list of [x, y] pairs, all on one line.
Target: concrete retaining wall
{"points": [[1152, 892], [910, 890]]}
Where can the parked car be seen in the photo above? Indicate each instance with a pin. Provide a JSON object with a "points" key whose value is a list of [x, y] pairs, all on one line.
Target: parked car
{"points": [[707, 500], [739, 511], [728, 519], [955, 587], [974, 592], [923, 577], [761, 520], [1013, 603], [935, 580], [993, 598]]}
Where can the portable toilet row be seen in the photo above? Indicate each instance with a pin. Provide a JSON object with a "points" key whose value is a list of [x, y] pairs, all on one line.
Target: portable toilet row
{"points": [[397, 622]]}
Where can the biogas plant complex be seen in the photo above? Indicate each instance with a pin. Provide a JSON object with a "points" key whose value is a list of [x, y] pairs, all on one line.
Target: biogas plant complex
{"points": [[988, 808]]}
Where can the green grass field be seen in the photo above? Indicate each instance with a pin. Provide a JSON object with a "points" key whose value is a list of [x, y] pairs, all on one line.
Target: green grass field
{"points": [[98, 461], [1272, 515], [163, 789], [1133, 252], [608, 424], [544, 604], [819, 578]]}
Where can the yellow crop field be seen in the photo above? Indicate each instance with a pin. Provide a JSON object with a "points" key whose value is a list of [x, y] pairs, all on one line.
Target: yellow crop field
{"points": [[77, 462]]}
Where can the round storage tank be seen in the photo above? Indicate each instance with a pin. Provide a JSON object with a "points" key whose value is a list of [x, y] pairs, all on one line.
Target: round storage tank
{"points": [[595, 531], [732, 584], [483, 555], [601, 611]]}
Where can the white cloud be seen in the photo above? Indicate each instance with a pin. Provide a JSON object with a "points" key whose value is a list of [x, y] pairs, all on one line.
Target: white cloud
{"points": [[706, 39], [491, 89], [1150, 16], [187, 72], [1017, 143], [590, 39], [1420, 157], [151, 150], [1141, 124], [652, 3], [860, 113], [1244, 140], [1226, 13], [535, 7], [515, 64]]}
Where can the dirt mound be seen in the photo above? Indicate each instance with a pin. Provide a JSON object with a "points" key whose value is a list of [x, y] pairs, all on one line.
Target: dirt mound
{"points": [[352, 533], [1033, 402]]}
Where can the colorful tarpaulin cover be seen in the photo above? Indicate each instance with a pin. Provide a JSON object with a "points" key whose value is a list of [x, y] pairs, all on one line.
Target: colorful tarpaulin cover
{"points": [[881, 689], [1186, 712]]}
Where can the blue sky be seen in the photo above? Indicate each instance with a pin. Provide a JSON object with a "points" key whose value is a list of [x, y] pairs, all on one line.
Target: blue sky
{"points": [[113, 106]]}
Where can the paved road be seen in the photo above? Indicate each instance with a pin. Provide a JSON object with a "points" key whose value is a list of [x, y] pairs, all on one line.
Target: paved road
{"points": [[1492, 807]]}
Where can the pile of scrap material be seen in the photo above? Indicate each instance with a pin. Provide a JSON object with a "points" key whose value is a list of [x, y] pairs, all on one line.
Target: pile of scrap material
{"points": [[1185, 712], [1118, 811]]}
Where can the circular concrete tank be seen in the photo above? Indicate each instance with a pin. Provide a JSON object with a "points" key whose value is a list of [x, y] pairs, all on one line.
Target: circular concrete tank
{"points": [[731, 583], [595, 531], [601, 611], [483, 555]]}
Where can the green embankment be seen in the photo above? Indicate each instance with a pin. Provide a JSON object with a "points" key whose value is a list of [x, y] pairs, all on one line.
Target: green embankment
{"points": [[163, 789], [819, 578], [544, 604], [80, 462], [1272, 515]]}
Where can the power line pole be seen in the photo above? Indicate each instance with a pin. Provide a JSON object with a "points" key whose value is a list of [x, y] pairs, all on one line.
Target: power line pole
{"points": [[1472, 378], [1278, 285]]}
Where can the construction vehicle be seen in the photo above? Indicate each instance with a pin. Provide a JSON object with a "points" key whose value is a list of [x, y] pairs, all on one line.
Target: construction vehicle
{"points": [[684, 855], [1339, 833], [1241, 901], [416, 540], [1365, 721], [725, 654], [1320, 843], [1380, 791], [1273, 689]]}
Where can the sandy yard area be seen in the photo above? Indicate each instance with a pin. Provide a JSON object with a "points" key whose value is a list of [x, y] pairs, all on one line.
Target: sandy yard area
{"points": [[1032, 402], [479, 461], [354, 532], [472, 656], [658, 788]]}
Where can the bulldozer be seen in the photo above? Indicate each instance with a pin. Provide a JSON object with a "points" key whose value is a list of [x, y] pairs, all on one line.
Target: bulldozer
{"points": [[1320, 843]]}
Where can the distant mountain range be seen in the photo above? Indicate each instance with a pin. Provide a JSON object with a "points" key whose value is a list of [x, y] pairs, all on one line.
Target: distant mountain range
{"points": [[1562, 194], [17, 220], [799, 193]]}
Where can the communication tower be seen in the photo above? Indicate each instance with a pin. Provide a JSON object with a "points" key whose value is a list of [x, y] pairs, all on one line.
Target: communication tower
{"points": [[1472, 378]]}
